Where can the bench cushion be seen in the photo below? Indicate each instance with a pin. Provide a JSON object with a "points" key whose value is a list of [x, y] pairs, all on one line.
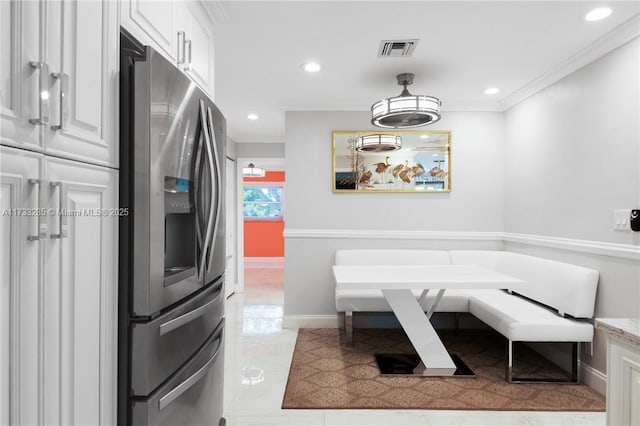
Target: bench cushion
{"points": [[392, 257], [570, 289], [519, 319], [374, 301]]}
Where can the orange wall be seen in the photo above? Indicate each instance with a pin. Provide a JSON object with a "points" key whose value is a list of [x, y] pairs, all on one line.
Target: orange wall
{"points": [[264, 238]]}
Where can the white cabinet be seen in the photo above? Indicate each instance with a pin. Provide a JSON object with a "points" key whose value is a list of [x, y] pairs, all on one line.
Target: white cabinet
{"points": [[61, 276], [623, 370], [20, 287], [199, 49], [153, 22], [181, 30], [623, 382], [58, 91]]}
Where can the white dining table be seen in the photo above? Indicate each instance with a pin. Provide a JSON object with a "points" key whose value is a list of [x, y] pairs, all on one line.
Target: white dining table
{"points": [[396, 283]]}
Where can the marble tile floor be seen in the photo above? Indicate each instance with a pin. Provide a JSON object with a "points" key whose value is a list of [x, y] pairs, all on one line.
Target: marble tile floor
{"points": [[257, 359]]}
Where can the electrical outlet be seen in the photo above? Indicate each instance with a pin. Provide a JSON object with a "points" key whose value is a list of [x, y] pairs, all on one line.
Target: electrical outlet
{"points": [[621, 219]]}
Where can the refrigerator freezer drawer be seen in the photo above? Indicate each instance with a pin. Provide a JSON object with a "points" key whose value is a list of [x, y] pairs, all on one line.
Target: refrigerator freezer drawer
{"points": [[193, 397], [161, 346]]}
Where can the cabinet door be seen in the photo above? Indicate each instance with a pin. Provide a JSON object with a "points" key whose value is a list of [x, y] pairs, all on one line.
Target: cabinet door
{"points": [[19, 81], [199, 31], [20, 287], [81, 50], [153, 22], [623, 382], [80, 295]]}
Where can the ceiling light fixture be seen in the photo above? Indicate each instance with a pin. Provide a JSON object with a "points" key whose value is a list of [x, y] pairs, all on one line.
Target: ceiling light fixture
{"points": [[492, 91], [252, 116], [378, 143], [406, 110], [253, 171], [597, 14], [311, 67]]}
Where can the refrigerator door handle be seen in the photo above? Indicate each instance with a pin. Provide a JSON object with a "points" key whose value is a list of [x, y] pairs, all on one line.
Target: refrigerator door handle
{"points": [[197, 190], [193, 379], [210, 221], [191, 315], [216, 178]]}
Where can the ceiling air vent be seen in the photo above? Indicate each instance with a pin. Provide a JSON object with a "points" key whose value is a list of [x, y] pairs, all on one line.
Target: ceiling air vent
{"points": [[396, 48]]}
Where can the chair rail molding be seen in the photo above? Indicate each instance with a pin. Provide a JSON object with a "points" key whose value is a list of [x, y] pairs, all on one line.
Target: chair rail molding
{"points": [[623, 251], [385, 234]]}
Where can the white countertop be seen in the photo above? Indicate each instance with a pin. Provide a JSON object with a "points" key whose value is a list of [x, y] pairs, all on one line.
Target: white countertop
{"points": [[625, 328]]}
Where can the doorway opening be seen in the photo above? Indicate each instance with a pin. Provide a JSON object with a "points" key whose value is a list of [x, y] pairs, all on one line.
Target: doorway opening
{"points": [[261, 219]]}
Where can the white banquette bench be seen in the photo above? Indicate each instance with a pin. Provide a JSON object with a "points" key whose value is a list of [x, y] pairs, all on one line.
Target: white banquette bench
{"points": [[551, 307]]}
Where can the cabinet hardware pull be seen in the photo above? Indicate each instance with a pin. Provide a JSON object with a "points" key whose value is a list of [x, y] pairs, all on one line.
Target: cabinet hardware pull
{"points": [[42, 226], [43, 93], [181, 42], [62, 217], [188, 64], [64, 98]]}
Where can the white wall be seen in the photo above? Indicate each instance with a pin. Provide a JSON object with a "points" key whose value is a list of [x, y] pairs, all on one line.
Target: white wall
{"points": [[260, 150], [573, 153], [475, 203], [572, 156]]}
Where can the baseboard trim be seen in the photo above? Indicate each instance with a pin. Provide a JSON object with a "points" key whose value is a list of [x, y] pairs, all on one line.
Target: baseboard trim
{"points": [[310, 321], [264, 262], [593, 378]]}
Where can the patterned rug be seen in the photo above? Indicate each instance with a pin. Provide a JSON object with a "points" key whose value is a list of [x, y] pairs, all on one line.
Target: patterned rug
{"points": [[327, 374]]}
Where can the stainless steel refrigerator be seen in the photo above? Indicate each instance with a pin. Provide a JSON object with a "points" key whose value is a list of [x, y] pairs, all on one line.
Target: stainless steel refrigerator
{"points": [[172, 248]]}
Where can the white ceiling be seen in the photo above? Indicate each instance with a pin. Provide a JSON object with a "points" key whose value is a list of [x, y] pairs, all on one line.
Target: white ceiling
{"points": [[464, 47]]}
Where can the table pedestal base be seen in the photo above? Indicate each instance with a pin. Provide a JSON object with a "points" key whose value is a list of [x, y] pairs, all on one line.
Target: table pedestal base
{"points": [[410, 365]]}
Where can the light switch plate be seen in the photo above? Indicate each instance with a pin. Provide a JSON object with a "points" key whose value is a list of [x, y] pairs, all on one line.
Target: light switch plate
{"points": [[621, 219]]}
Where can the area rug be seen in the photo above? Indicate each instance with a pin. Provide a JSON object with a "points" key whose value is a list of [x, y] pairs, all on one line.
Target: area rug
{"points": [[325, 373]]}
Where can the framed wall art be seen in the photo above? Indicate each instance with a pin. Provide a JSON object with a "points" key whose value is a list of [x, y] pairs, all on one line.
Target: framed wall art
{"points": [[392, 161]]}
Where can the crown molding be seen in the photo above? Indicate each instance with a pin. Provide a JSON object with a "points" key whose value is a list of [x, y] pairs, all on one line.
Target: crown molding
{"points": [[324, 106], [257, 139], [605, 44], [215, 10], [471, 106]]}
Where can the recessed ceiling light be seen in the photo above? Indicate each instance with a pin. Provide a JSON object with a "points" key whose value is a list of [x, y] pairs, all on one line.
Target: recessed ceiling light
{"points": [[424, 136], [597, 14], [311, 67], [492, 91], [252, 116]]}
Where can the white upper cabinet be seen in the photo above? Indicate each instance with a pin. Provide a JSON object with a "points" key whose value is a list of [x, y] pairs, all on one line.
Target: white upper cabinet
{"points": [[82, 56], [199, 48], [58, 87], [152, 22], [21, 70], [180, 30]]}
